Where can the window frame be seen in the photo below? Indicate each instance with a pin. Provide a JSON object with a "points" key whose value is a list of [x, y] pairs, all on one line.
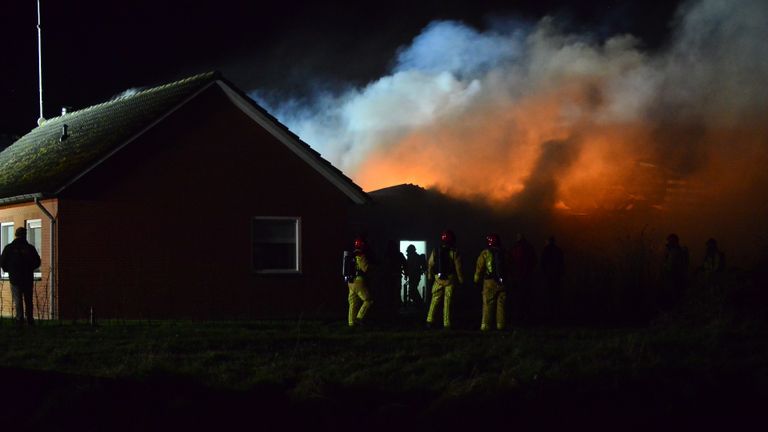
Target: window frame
{"points": [[4, 274], [37, 274], [297, 250]]}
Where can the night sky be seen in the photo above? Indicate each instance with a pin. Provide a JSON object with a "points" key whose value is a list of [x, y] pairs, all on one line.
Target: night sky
{"points": [[93, 50]]}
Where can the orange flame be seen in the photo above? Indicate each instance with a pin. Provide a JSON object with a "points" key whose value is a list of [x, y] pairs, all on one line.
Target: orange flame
{"points": [[499, 153], [496, 152]]}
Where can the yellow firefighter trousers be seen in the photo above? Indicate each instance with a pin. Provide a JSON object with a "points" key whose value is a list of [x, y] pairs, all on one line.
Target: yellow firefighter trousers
{"points": [[358, 292], [440, 293], [494, 297]]}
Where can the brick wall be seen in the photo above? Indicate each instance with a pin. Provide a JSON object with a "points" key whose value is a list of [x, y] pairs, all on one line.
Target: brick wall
{"points": [[19, 214], [162, 228]]}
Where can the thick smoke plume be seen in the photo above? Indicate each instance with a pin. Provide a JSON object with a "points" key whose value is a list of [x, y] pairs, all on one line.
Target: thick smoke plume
{"points": [[535, 116]]}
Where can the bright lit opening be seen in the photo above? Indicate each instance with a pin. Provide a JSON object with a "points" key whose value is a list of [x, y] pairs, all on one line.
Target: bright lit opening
{"points": [[416, 266]]}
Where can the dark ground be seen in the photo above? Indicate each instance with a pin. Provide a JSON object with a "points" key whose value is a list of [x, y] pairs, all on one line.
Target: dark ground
{"points": [[292, 375], [38, 400]]}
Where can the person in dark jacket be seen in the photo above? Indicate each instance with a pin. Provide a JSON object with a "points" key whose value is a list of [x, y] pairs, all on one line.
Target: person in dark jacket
{"points": [[553, 268], [415, 267], [523, 259], [714, 259], [20, 259], [674, 272], [712, 269]]}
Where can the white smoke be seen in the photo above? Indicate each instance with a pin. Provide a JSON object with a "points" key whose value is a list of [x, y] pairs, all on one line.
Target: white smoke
{"points": [[438, 76], [447, 46], [714, 70], [126, 93], [717, 66]]}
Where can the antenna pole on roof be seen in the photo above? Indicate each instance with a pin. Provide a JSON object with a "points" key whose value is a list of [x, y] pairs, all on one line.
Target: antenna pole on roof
{"points": [[40, 63]]}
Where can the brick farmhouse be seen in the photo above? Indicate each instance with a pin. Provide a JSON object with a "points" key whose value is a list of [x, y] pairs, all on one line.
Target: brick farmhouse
{"points": [[186, 200]]}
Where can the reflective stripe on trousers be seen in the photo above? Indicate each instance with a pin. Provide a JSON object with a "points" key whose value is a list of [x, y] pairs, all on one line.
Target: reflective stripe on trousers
{"points": [[358, 293], [440, 293], [494, 298]]}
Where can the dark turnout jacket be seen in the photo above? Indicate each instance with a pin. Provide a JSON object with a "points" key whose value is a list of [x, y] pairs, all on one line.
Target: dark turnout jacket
{"points": [[20, 259]]}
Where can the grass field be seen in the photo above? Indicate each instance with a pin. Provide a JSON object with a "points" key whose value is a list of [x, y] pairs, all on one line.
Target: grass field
{"points": [[138, 375]]}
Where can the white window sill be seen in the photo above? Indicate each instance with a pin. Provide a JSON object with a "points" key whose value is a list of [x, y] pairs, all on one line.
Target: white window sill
{"points": [[35, 277], [278, 271]]}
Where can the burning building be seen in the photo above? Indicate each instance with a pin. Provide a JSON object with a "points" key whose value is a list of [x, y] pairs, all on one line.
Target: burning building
{"points": [[541, 119]]}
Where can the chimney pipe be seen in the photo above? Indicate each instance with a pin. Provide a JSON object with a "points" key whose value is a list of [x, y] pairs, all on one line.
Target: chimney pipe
{"points": [[40, 63], [64, 134]]}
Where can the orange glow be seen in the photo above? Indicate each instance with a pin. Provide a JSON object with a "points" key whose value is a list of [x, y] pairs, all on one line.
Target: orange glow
{"points": [[553, 150], [495, 152], [489, 152]]}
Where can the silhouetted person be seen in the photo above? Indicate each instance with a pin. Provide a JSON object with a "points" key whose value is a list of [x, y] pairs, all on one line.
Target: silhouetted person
{"points": [[415, 266], [552, 269], [20, 259], [712, 267], [714, 259], [674, 272], [523, 260], [391, 272]]}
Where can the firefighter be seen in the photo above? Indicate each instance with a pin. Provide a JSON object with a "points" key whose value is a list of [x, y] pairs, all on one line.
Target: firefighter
{"points": [[490, 269], [444, 266], [355, 273]]}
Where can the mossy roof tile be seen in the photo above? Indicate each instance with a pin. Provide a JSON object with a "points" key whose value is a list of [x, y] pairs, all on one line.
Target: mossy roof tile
{"points": [[40, 162]]}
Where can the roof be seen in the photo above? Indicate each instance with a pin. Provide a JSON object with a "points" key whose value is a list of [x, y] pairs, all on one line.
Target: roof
{"points": [[41, 164], [398, 190]]}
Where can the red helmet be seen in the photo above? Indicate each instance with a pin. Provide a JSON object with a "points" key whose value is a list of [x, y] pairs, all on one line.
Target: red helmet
{"points": [[493, 240], [359, 243], [447, 237]]}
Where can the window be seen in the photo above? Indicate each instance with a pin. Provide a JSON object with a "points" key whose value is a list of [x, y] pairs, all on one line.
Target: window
{"points": [[276, 244], [34, 237], [6, 237]]}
